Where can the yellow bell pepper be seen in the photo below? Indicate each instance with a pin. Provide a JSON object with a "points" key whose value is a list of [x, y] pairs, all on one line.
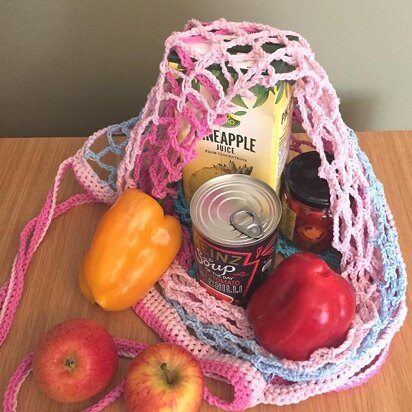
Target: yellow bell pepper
{"points": [[133, 246]]}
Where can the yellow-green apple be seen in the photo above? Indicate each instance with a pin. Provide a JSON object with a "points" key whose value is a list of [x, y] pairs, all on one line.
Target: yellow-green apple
{"points": [[75, 360], [164, 377]]}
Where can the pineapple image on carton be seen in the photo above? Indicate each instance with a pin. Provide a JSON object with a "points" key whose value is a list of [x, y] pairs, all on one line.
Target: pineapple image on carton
{"points": [[254, 139]]}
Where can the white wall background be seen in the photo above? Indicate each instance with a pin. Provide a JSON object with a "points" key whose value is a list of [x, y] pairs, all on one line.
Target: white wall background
{"points": [[69, 67]]}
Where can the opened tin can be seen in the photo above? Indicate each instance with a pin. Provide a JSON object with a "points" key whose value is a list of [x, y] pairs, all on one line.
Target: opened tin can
{"points": [[235, 222]]}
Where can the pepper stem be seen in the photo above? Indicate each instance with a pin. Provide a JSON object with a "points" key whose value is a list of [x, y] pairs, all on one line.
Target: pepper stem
{"points": [[167, 373]]}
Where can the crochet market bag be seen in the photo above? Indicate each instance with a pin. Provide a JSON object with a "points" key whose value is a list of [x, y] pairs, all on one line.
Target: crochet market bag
{"points": [[152, 158]]}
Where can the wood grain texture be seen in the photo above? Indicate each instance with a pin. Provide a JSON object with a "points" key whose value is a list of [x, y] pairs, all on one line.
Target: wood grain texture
{"points": [[50, 296]]}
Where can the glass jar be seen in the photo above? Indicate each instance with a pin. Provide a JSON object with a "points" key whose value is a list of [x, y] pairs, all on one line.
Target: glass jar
{"points": [[306, 220]]}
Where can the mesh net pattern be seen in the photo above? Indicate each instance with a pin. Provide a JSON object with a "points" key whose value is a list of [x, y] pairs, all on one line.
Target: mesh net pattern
{"points": [[152, 157]]}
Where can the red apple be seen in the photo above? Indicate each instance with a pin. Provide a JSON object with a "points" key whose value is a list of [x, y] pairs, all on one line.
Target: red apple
{"points": [[302, 306], [75, 360], [164, 377]]}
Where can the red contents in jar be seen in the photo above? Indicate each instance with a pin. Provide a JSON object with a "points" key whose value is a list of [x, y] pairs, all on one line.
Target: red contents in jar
{"points": [[306, 220]]}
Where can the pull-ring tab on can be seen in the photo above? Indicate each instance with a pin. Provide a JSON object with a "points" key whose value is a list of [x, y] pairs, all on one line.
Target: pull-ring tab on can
{"points": [[246, 222]]}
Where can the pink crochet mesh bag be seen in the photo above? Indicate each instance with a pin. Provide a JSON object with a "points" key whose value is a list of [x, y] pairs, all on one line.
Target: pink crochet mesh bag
{"points": [[152, 158]]}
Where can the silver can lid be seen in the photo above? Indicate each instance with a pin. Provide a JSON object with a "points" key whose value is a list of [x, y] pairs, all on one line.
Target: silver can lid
{"points": [[235, 210]]}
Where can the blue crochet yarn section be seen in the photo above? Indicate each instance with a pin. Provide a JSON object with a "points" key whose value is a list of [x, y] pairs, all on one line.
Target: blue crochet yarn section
{"points": [[182, 210], [122, 129], [392, 287], [181, 207], [330, 256]]}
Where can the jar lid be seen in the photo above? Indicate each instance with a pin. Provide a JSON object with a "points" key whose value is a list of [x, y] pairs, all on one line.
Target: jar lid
{"points": [[303, 182]]}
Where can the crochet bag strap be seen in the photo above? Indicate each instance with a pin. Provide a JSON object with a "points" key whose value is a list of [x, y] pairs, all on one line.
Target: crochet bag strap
{"points": [[129, 349]]}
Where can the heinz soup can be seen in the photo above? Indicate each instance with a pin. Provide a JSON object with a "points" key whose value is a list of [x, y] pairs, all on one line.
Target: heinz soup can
{"points": [[235, 222]]}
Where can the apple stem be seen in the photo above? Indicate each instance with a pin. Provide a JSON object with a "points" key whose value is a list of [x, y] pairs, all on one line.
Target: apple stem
{"points": [[167, 373]]}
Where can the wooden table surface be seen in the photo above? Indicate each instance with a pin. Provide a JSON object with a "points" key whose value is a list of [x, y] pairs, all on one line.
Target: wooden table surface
{"points": [[50, 296]]}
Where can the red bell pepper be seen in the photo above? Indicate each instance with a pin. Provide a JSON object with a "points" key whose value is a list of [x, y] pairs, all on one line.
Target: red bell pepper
{"points": [[302, 306]]}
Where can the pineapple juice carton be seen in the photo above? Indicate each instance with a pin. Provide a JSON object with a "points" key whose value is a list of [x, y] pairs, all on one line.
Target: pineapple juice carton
{"points": [[254, 139]]}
